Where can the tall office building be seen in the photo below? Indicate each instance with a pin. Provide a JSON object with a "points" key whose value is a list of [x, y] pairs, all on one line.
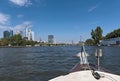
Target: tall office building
{"points": [[11, 33], [29, 34], [26, 31], [7, 34], [50, 39], [32, 33]]}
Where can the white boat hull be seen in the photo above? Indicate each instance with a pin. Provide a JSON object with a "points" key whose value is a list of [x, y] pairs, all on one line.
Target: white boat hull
{"points": [[87, 76]]}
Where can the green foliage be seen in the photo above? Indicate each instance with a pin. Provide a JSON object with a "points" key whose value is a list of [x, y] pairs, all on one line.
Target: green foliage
{"points": [[23, 42], [97, 34], [16, 40], [89, 42], [93, 34], [113, 34], [4, 42], [32, 43]]}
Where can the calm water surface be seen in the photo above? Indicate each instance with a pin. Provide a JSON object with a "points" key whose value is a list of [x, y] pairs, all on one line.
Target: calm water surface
{"points": [[44, 63]]}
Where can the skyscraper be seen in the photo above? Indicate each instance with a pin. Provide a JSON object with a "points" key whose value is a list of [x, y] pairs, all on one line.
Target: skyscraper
{"points": [[29, 34], [11, 33], [26, 31], [7, 34], [32, 33], [50, 39]]}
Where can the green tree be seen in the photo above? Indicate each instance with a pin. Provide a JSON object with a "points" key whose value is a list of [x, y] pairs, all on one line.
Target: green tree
{"points": [[93, 34], [89, 42], [23, 42], [4, 42], [16, 40], [97, 34], [113, 34], [32, 43]]}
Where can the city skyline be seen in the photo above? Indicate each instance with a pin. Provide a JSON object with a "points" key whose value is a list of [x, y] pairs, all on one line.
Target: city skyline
{"points": [[67, 20], [27, 33]]}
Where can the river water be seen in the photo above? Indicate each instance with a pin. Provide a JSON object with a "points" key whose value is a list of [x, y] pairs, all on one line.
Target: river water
{"points": [[44, 63]]}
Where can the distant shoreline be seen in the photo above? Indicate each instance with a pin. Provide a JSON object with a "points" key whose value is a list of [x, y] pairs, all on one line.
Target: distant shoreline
{"points": [[13, 46], [53, 45]]}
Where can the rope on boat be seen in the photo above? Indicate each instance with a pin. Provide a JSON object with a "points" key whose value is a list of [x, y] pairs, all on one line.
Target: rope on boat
{"points": [[107, 76]]}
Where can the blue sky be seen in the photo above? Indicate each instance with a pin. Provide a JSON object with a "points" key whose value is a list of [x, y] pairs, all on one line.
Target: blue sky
{"points": [[67, 20]]}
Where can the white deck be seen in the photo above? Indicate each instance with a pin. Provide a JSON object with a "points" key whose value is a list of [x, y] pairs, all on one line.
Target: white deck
{"points": [[87, 76]]}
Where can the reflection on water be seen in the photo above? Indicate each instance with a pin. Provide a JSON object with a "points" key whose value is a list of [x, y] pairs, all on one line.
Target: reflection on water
{"points": [[43, 63]]}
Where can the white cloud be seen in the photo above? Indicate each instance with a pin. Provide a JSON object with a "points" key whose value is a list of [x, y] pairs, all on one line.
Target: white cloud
{"points": [[4, 23], [5, 27], [21, 2], [27, 23], [21, 27], [20, 16], [92, 8], [4, 18]]}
